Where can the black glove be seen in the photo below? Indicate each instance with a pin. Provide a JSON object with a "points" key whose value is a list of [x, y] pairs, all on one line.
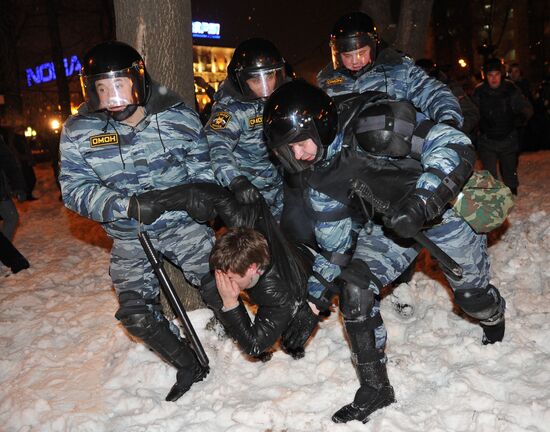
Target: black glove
{"points": [[409, 219], [299, 330], [144, 207], [245, 192], [197, 199]]}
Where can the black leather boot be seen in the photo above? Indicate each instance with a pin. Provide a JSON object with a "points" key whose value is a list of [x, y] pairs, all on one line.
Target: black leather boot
{"points": [[185, 379], [158, 336], [375, 393]]}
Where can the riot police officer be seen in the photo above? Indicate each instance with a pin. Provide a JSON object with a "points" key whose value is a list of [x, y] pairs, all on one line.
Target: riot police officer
{"points": [[415, 166], [132, 135], [361, 62], [237, 148]]}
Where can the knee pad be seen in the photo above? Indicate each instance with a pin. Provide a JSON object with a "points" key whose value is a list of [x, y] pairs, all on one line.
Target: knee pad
{"points": [[132, 302], [136, 315], [356, 298], [141, 325], [355, 301], [484, 304], [357, 273]]}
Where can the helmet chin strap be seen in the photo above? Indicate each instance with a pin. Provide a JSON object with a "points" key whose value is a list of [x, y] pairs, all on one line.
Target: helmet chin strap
{"points": [[124, 114]]}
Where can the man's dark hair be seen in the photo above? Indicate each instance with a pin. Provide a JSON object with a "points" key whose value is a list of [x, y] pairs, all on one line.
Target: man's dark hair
{"points": [[236, 250]]}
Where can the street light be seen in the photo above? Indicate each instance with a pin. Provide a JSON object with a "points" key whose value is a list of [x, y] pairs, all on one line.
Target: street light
{"points": [[55, 125], [30, 132], [462, 63]]}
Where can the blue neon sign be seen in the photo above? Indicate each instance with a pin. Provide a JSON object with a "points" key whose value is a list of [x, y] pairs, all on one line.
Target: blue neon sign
{"points": [[206, 30], [46, 72]]}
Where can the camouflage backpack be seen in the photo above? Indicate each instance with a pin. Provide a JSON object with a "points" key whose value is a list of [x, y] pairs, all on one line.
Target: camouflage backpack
{"points": [[484, 202]]}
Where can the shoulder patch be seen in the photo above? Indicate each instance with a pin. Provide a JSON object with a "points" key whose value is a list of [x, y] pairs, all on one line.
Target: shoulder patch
{"points": [[255, 121], [220, 121], [104, 140], [334, 81]]}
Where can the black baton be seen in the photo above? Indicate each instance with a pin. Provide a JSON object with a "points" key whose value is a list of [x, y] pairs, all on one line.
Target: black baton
{"points": [[175, 302], [360, 189]]}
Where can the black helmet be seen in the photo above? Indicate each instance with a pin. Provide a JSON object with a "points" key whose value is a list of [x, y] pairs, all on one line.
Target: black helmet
{"points": [[492, 64], [350, 33], [295, 112], [108, 61], [258, 60]]}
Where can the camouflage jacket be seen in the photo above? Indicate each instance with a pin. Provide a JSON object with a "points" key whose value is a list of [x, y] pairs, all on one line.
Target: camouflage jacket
{"points": [[105, 162], [236, 140], [338, 236], [397, 75]]}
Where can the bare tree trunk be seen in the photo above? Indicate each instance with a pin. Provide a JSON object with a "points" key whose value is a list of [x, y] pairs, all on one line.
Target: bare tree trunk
{"points": [[9, 84], [412, 28], [410, 32], [161, 32], [380, 12]]}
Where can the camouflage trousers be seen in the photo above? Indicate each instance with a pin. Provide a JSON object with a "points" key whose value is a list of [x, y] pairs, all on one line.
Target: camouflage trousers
{"points": [[387, 258], [188, 246]]}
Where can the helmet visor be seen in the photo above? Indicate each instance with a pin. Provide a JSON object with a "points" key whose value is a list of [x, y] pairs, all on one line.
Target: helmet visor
{"points": [[338, 46], [260, 83], [299, 148], [115, 90]]}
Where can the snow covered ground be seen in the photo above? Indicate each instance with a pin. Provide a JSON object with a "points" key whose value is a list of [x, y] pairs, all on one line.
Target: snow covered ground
{"points": [[67, 365]]}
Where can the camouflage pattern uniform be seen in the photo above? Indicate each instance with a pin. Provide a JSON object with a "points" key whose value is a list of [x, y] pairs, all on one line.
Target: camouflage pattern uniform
{"points": [[387, 258], [397, 75], [105, 162], [237, 145]]}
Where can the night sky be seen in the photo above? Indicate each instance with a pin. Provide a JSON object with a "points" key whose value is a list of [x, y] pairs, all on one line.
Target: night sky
{"points": [[299, 28]]}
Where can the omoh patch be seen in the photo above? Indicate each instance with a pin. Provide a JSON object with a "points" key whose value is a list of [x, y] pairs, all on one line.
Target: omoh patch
{"points": [[104, 140], [220, 121], [334, 81]]}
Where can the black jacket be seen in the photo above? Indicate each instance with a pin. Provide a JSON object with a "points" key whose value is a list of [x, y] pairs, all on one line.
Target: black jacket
{"points": [[501, 109], [276, 307], [12, 181], [279, 292]]}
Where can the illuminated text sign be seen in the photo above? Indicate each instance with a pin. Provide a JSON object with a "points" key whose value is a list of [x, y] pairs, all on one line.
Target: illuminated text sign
{"points": [[46, 72], [206, 30]]}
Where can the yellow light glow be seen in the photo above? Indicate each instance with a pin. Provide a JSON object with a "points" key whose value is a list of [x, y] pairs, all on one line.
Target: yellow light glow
{"points": [[28, 132], [55, 124], [462, 63]]}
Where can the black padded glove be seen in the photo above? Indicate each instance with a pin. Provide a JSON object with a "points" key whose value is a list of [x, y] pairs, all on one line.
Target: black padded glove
{"points": [[299, 330], [245, 192], [145, 208], [197, 199], [409, 219]]}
